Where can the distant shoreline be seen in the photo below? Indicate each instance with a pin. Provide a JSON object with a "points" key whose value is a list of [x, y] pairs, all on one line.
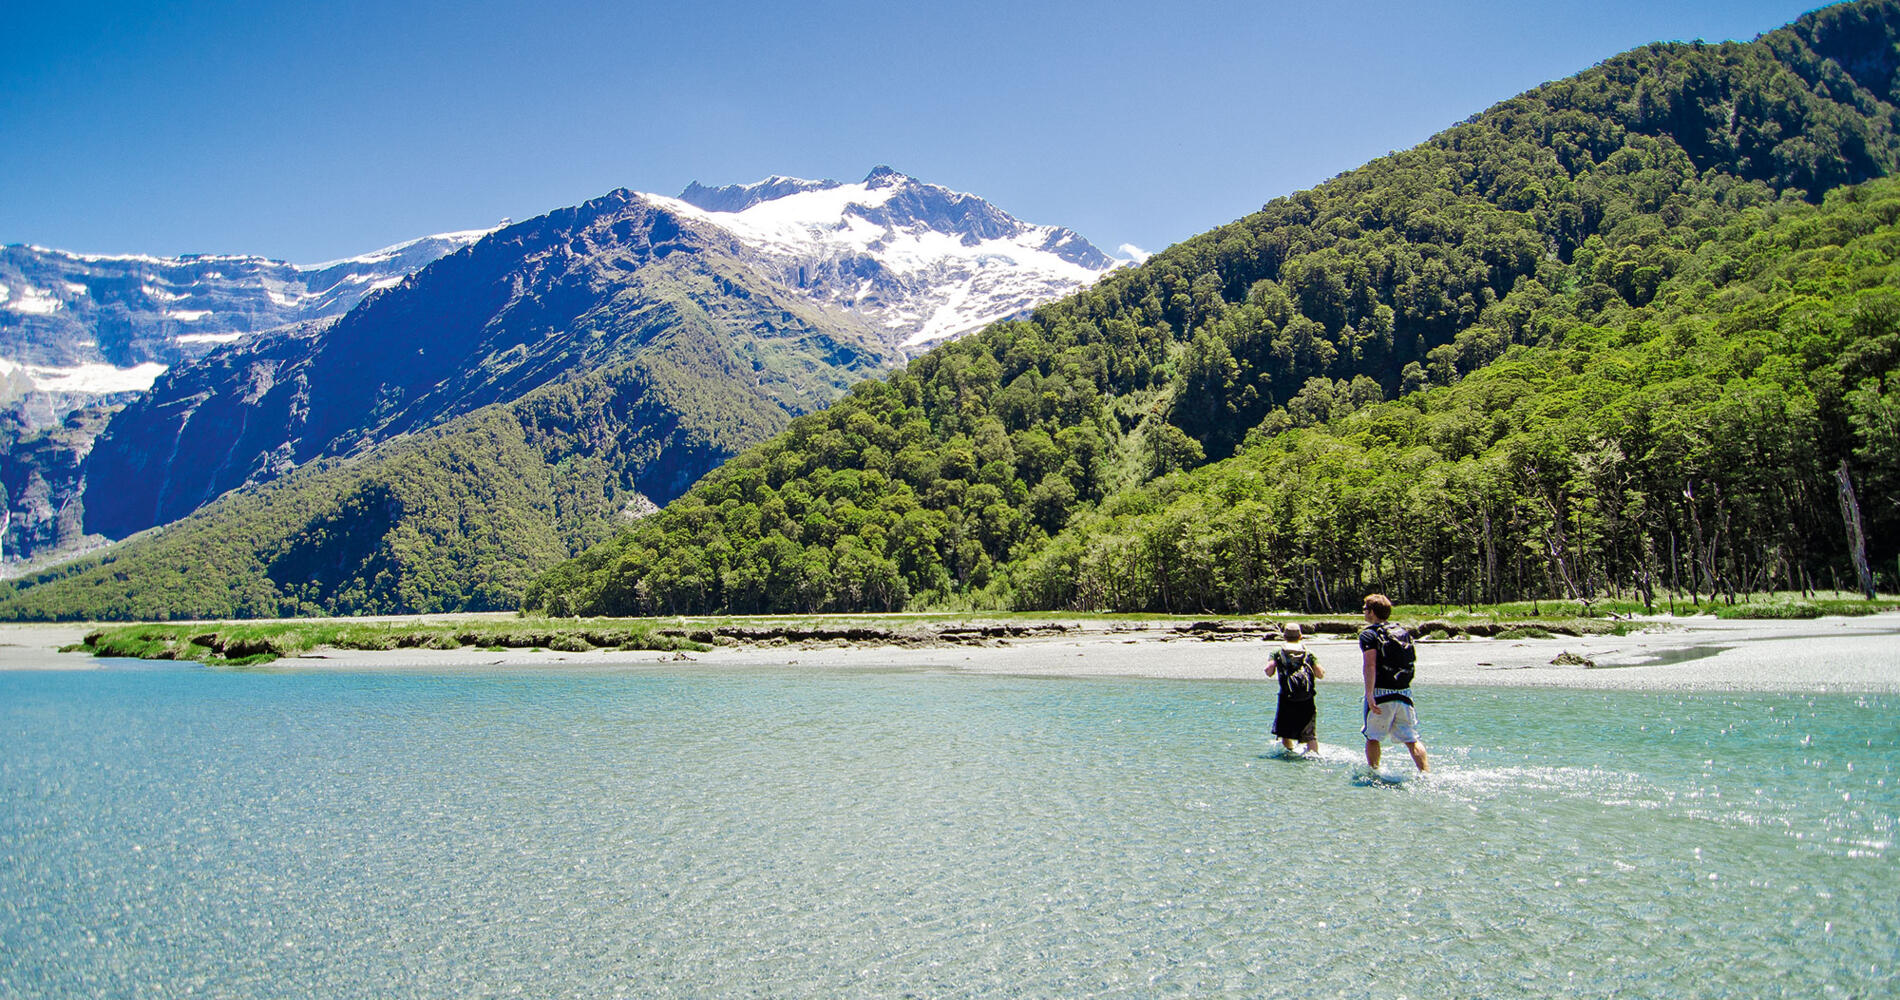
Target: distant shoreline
{"points": [[1676, 654]]}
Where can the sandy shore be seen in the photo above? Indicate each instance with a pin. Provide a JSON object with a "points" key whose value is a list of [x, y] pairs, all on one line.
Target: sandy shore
{"points": [[37, 647], [1690, 654], [1702, 654]]}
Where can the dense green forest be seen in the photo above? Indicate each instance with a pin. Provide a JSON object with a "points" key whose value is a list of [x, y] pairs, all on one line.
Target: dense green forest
{"points": [[1686, 449], [1600, 337]]}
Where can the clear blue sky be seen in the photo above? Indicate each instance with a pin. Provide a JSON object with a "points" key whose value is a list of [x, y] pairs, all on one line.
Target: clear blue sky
{"points": [[313, 130]]}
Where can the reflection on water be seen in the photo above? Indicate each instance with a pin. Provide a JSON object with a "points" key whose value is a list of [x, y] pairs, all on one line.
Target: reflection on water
{"points": [[802, 833], [1663, 657]]}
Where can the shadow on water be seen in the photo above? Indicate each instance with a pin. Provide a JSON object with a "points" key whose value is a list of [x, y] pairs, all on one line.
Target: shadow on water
{"points": [[1666, 657], [1368, 778]]}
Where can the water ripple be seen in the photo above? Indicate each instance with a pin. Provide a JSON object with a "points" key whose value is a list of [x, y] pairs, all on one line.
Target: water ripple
{"points": [[705, 834]]}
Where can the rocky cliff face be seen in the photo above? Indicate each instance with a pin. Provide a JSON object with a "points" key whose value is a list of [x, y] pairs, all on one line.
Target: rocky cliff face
{"points": [[81, 334], [42, 479], [74, 326]]}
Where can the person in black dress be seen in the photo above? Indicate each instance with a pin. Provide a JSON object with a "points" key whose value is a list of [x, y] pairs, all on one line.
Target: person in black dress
{"points": [[1296, 719]]}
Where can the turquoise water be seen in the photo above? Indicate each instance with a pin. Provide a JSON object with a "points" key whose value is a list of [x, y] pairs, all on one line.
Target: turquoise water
{"points": [[179, 832]]}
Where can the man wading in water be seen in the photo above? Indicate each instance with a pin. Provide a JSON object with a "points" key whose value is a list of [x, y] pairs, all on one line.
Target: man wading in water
{"points": [[1295, 718], [1389, 659]]}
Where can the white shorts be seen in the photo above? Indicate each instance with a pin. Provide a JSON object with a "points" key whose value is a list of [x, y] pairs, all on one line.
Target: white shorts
{"points": [[1395, 722]]}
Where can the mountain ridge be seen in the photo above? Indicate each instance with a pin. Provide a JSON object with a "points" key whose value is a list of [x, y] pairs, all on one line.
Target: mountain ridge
{"points": [[524, 307], [877, 247], [502, 316], [716, 351]]}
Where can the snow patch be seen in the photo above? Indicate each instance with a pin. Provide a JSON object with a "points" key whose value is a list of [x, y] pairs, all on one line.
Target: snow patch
{"points": [[99, 258], [796, 221], [34, 302], [74, 288], [161, 294], [207, 338], [278, 297], [187, 315], [96, 379], [462, 238]]}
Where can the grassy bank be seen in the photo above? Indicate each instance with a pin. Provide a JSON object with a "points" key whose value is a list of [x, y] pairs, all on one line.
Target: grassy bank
{"points": [[245, 644], [1783, 605], [250, 643]]}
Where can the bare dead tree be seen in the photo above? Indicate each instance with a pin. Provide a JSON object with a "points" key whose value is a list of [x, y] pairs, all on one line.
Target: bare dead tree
{"points": [[1856, 536]]}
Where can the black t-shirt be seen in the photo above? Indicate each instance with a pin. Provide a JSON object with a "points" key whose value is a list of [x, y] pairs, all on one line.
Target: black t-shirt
{"points": [[1373, 637]]}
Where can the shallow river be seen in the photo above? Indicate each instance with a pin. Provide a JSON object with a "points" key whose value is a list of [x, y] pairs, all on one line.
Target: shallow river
{"points": [[802, 832]]}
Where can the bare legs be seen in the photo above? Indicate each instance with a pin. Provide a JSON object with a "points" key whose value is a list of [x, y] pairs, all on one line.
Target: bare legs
{"points": [[1416, 749]]}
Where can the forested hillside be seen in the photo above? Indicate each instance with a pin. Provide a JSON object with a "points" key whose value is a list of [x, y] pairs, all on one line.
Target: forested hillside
{"points": [[456, 518], [1693, 447], [1623, 345]]}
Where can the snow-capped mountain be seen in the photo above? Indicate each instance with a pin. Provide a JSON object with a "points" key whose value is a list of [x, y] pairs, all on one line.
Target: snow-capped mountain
{"points": [[920, 261], [76, 327], [923, 262]]}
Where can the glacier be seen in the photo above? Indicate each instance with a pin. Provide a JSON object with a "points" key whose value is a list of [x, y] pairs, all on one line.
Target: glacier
{"points": [[925, 262]]}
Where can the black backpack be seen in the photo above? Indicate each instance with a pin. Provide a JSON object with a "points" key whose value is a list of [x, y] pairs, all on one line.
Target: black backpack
{"points": [[1296, 674], [1398, 658]]}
